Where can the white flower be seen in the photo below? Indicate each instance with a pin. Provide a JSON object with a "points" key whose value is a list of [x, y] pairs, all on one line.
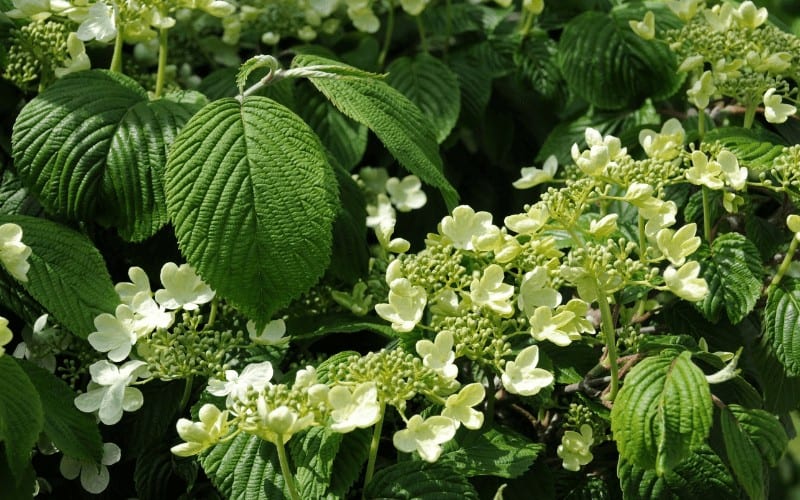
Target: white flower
{"points": [[414, 7], [677, 245], [275, 424], [667, 144], [704, 172], [719, 17], [139, 283], [108, 391], [100, 24], [532, 176], [490, 291], [77, 60], [384, 231], [272, 334], [684, 9], [115, 334], [94, 477], [217, 8], [405, 307], [255, 376], [545, 326], [774, 109], [530, 222], [603, 227], [735, 176], [750, 16], [381, 213], [182, 288], [574, 448], [201, 435], [38, 349], [407, 194], [148, 315], [13, 252], [521, 375], [534, 292], [438, 355], [646, 29], [702, 90], [359, 408], [465, 225], [684, 282], [36, 10], [602, 152], [5, 334], [364, 19], [459, 406], [374, 179], [691, 63], [425, 436]]}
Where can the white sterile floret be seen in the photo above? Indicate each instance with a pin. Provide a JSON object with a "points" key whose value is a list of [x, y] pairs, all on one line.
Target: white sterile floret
{"points": [[438, 355], [705, 173], [750, 16], [684, 282], [646, 28], [735, 176], [100, 24], [413, 7], [774, 109], [384, 231], [677, 245], [659, 214], [664, 145], [459, 406], [255, 376], [425, 436], [13, 252], [139, 283], [201, 435], [522, 377], [603, 151], [374, 179], [534, 292], [182, 288], [702, 90], [115, 334], [272, 333], [77, 60], [406, 194], [405, 307], [719, 17], [766, 62], [148, 315], [684, 9], [580, 322], [108, 391], [275, 424], [5, 334], [94, 477], [691, 63], [532, 176], [381, 212], [604, 226], [36, 10], [530, 222], [546, 326], [489, 290], [357, 409], [574, 448], [364, 19], [465, 225]]}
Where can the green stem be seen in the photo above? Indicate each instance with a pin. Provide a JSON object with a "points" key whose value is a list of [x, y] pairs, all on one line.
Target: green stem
{"points": [[701, 123], [116, 59], [642, 240], [373, 448], [288, 477], [422, 38], [162, 61], [787, 261], [490, 399], [212, 316], [187, 391], [749, 115], [387, 39], [607, 326], [526, 27], [706, 215]]}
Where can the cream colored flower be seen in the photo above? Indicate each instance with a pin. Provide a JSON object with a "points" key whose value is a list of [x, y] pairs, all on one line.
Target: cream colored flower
{"points": [[100, 24], [115, 334], [94, 477], [406, 194], [705, 173], [774, 109], [108, 392], [199, 436], [464, 225], [677, 245], [665, 145], [489, 290], [749, 16], [719, 17], [272, 333], [545, 326], [5, 334], [459, 406], [684, 9], [534, 292], [405, 307], [530, 222], [438, 355], [13, 252], [425, 436], [357, 409], [532, 176], [522, 377], [182, 288], [646, 28], [684, 282], [77, 60], [574, 448], [255, 376]]}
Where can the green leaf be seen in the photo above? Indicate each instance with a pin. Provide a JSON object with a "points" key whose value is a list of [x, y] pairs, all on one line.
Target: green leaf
{"points": [[474, 82], [457, 18], [21, 416], [313, 454], [492, 451], [14, 197], [154, 423], [701, 475], [754, 148], [606, 63], [537, 64], [73, 432], [350, 460], [67, 275], [61, 139], [309, 327], [397, 122], [782, 324], [764, 430], [350, 256], [222, 83], [155, 475], [781, 391], [733, 272], [241, 470], [429, 84], [663, 412], [743, 456], [252, 198], [419, 479], [16, 486]]}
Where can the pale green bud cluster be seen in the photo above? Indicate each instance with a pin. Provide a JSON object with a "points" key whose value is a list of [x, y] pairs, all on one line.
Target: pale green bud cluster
{"points": [[36, 50], [435, 267], [480, 337], [266, 22], [784, 172]]}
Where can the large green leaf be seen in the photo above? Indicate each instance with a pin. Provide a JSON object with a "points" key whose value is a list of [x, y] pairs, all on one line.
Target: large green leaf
{"points": [[754, 148], [398, 123], [419, 479], [732, 269], [429, 84], [764, 430], [73, 432], [743, 456], [16, 486], [21, 415], [781, 391], [313, 454], [68, 275], [245, 468], [350, 460], [663, 412], [492, 451], [350, 254], [782, 324], [606, 63], [252, 198]]}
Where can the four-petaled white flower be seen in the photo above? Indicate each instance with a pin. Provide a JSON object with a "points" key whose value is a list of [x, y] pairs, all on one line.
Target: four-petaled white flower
{"points": [[5, 334], [373, 178], [272, 333], [684, 9], [13, 252], [108, 391], [148, 315], [490, 291], [604, 226], [459, 406], [94, 477], [719, 17], [77, 60], [213, 426], [602, 152], [530, 222], [646, 28], [750, 16], [735, 176], [465, 225], [115, 334], [36, 10], [545, 326], [534, 292], [359, 408], [255, 376], [139, 283], [702, 90], [574, 448], [522, 377], [774, 109], [664, 145], [425, 436], [384, 231], [705, 173], [182, 288], [100, 24], [405, 307], [677, 245], [381, 213], [406, 194], [684, 282], [532, 176], [438, 355]]}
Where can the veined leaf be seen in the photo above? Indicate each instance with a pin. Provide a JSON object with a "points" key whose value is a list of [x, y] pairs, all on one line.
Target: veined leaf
{"points": [[350, 460], [397, 122], [313, 454], [350, 255], [16, 486], [493, 451], [309, 327], [754, 148], [68, 275], [606, 63], [252, 198], [743, 456], [474, 82], [537, 64], [245, 468], [14, 197], [782, 325], [429, 84], [419, 479], [781, 391], [663, 412], [733, 271], [21, 415], [764, 430]]}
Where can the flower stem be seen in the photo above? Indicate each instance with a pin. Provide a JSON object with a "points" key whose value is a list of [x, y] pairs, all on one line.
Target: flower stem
{"points": [[706, 215], [187, 391], [642, 240], [212, 316], [116, 59], [288, 477], [373, 448], [387, 39], [490, 399], [701, 123], [787, 261], [607, 326], [162, 61], [749, 115]]}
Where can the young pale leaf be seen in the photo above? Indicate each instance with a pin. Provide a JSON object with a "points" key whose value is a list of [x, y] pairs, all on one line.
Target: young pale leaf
{"points": [[782, 325], [313, 454], [493, 451], [73, 432], [429, 84], [68, 275], [420, 479], [252, 198], [733, 272], [397, 122], [663, 412], [606, 63], [21, 415]]}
